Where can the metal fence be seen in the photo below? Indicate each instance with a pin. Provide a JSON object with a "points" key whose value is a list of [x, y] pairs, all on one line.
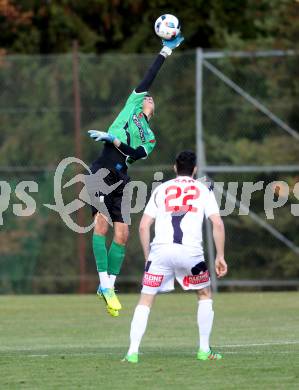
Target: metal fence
{"points": [[247, 121], [239, 110]]}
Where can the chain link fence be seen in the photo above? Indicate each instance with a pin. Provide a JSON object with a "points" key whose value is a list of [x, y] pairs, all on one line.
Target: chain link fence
{"points": [[39, 253]]}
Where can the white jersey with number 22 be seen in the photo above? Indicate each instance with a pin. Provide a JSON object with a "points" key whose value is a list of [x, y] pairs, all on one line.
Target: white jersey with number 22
{"points": [[178, 207]]}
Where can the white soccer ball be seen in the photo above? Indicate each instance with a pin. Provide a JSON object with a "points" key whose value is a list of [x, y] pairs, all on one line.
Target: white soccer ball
{"points": [[167, 26]]}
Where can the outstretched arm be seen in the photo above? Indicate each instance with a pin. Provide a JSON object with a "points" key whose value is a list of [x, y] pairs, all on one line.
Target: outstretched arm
{"points": [[145, 84], [166, 51], [151, 74]]}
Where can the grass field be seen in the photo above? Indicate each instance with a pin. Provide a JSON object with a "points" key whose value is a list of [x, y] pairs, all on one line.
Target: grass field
{"points": [[69, 342]]}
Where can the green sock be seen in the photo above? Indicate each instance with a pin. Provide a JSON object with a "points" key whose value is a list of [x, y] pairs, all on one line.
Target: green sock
{"points": [[116, 256], [100, 252]]}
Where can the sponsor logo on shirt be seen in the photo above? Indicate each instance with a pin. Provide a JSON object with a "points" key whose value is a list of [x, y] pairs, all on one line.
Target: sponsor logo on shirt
{"points": [[152, 280], [196, 279], [140, 128]]}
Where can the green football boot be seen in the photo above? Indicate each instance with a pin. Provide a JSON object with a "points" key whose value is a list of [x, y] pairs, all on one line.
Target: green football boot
{"points": [[210, 355], [133, 358]]}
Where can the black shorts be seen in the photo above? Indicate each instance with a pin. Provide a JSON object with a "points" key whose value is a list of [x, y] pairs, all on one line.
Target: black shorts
{"points": [[115, 204]]}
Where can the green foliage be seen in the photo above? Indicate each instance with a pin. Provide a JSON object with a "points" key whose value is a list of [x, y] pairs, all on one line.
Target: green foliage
{"points": [[104, 25]]}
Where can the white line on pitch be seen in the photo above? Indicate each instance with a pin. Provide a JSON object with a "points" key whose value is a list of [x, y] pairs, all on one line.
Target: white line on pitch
{"points": [[67, 354], [258, 344], [44, 355]]}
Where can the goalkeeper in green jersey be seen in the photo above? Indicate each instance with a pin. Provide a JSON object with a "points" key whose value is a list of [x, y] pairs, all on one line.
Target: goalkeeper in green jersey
{"points": [[128, 139]]}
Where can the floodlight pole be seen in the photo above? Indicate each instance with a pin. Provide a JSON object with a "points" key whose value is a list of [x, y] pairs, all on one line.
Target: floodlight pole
{"points": [[201, 159], [81, 243]]}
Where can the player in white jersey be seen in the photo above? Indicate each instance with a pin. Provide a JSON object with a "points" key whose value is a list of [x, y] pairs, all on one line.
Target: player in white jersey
{"points": [[178, 208]]}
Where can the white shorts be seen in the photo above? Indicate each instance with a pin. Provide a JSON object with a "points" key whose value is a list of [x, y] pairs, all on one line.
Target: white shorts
{"points": [[167, 262]]}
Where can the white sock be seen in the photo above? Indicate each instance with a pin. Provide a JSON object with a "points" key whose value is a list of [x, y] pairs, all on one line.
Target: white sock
{"points": [[104, 280], [112, 280], [205, 316], [138, 326]]}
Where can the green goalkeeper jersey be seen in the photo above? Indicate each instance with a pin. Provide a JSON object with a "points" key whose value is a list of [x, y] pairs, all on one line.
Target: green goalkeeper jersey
{"points": [[131, 126]]}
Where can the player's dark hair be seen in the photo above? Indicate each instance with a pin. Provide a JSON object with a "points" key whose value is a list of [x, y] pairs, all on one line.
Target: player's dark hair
{"points": [[185, 162]]}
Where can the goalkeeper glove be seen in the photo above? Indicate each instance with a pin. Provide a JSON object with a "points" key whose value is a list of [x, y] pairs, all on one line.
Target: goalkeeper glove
{"points": [[101, 136], [170, 44]]}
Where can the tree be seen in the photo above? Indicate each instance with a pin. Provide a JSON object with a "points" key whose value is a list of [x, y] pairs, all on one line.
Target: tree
{"points": [[49, 26]]}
